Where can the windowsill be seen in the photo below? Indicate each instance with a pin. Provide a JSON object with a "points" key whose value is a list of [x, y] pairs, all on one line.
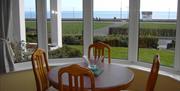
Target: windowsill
{"points": [[166, 71], [52, 62]]}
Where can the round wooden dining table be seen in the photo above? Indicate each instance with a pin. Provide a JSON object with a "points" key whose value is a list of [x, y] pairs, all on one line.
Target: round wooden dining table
{"points": [[113, 78]]}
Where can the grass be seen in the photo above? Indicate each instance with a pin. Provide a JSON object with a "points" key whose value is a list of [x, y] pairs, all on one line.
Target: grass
{"points": [[69, 27], [156, 25], [72, 27], [146, 54], [166, 56], [77, 26], [31, 24]]}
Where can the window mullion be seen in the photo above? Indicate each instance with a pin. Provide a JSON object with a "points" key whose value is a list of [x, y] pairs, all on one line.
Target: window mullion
{"points": [[177, 49], [134, 7]]}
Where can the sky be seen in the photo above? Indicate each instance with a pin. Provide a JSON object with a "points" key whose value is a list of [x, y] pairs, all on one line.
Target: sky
{"points": [[111, 5]]}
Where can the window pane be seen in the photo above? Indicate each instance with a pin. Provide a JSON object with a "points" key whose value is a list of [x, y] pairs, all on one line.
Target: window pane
{"points": [[111, 25], [72, 29], [157, 30], [23, 46]]}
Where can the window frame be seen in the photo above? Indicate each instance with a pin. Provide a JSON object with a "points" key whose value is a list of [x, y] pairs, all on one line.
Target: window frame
{"points": [[134, 7]]}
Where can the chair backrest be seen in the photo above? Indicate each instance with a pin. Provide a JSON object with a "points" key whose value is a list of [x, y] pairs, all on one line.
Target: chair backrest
{"points": [[153, 74], [99, 51], [76, 77], [40, 69]]}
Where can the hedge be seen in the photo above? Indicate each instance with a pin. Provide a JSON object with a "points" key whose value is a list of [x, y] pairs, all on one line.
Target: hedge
{"points": [[32, 38], [122, 41], [115, 41], [118, 30], [112, 40], [144, 32], [148, 42], [72, 39], [65, 52]]}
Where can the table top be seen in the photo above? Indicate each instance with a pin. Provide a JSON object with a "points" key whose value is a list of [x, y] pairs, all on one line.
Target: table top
{"points": [[113, 78]]}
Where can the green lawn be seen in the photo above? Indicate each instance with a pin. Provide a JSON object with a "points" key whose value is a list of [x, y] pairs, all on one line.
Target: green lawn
{"points": [[166, 56], [70, 27], [76, 27], [156, 25], [146, 54], [31, 24]]}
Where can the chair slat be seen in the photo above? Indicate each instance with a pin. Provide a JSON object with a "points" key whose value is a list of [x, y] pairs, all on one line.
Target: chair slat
{"points": [[76, 82], [70, 82], [81, 83]]}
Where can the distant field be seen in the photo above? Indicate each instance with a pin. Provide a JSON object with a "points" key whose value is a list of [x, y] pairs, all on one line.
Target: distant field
{"points": [[76, 27], [156, 25], [70, 27]]}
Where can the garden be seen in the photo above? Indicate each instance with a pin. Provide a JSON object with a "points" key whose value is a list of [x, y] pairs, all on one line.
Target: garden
{"points": [[117, 39]]}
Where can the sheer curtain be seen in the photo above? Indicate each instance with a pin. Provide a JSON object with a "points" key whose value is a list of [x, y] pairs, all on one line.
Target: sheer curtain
{"points": [[6, 58]]}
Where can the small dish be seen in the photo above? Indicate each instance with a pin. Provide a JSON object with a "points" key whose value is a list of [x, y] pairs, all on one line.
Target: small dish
{"points": [[92, 67]]}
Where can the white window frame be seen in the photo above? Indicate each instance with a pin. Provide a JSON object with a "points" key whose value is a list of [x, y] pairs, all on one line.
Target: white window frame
{"points": [[177, 46], [134, 7]]}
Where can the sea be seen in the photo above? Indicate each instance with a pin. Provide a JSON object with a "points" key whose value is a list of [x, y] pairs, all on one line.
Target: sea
{"points": [[105, 14]]}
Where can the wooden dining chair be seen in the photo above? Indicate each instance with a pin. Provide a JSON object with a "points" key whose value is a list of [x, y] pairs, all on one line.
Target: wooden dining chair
{"points": [[76, 76], [151, 82], [98, 50], [40, 69]]}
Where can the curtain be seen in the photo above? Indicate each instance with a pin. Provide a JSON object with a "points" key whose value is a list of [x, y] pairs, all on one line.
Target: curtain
{"points": [[6, 58]]}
